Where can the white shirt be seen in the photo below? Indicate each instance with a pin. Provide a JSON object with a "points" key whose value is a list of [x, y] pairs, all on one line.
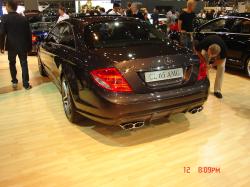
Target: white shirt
{"points": [[114, 13], [63, 17]]}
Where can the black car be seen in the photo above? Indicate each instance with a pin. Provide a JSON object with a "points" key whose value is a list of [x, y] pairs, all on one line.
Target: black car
{"points": [[235, 31], [121, 71], [39, 31]]}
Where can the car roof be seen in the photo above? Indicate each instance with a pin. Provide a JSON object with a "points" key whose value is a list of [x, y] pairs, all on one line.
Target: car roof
{"points": [[224, 17], [246, 14], [235, 17], [228, 17], [87, 20]]}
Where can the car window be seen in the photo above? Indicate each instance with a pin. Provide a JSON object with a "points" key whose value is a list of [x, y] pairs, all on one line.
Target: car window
{"points": [[241, 26], [245, 27], [54, 35], [66, 35], [219, 25], [236, 28], [121, 33]]}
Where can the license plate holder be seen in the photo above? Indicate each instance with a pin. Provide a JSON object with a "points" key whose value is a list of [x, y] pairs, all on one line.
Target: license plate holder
{"points": [[162, 75]]}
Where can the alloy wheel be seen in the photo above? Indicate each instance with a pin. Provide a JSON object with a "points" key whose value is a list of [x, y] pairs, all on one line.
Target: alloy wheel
{"points": [[67, 105], [248, 67]]}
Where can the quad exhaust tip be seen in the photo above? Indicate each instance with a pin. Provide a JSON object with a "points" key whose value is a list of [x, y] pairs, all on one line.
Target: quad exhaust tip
{"points": [[139, 124], [196, 109], [132, 125]]}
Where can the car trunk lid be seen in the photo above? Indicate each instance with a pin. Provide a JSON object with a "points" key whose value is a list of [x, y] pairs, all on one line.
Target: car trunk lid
{"points": [[152, 67]]}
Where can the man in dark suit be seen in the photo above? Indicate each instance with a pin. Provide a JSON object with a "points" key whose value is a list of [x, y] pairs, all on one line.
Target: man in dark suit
{"points": [[15, 35]]}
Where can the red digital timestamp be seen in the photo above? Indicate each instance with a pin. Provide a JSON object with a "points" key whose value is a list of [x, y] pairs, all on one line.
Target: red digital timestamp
{"points": [[203, 169]]}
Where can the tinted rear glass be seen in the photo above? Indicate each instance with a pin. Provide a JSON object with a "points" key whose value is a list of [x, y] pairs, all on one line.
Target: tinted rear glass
{"points": [[121, 33]]}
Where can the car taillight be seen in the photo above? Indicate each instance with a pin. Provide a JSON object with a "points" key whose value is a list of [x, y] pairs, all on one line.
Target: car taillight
{"points": [[111, 79], [202, 70], [34, 38]]}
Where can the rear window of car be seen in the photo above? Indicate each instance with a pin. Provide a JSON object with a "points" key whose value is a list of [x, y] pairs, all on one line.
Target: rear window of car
{"points": [[121, 33], [218, 25]]}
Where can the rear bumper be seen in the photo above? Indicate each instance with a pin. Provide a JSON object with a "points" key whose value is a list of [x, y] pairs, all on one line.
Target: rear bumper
{"points": [[142, 107]]}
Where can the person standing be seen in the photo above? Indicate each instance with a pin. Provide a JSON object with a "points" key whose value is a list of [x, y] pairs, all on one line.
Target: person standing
{"points": [[214, 50], [115, 10], [102, 11], [16, 34], [136, 13], [62, 14], [155, 17], [128, 11], [185, 24]]}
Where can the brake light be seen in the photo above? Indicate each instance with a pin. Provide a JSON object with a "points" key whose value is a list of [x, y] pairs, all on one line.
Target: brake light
{"points": [[202, 70], [111, 79], [34, 38]]}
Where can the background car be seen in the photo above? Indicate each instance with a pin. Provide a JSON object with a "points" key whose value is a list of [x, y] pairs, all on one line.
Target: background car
{"points": [[33, 15], [235, 31], [163, 22], [121, 71], [39, 32]]}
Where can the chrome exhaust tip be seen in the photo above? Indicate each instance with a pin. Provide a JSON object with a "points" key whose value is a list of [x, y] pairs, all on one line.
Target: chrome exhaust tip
{"points": [[193, 111], [132, 125], [200, 109], [196, 109]]}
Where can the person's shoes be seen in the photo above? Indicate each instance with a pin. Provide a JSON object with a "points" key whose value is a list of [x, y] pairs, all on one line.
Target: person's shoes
{"points": [[27, 87], [14, 85], [218, 95]]}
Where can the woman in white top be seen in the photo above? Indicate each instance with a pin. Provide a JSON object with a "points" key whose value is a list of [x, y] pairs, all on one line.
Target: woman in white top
{"points": [[63, 15]]}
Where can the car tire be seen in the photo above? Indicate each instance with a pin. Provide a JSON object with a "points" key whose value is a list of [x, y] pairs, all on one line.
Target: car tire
{"points": [[68, 104], [41, 68], [247, 66]]}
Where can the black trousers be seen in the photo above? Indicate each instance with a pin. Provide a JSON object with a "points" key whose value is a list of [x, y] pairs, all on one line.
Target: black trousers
{"points": [[24, 64]]}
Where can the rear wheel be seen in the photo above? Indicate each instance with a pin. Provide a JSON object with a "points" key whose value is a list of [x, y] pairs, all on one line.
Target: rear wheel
{"points": [[41, 68], [68, 104], [247, 67]]}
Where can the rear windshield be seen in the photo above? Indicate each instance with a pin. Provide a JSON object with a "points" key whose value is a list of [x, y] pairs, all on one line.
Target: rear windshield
{"points": [[121, 33]]}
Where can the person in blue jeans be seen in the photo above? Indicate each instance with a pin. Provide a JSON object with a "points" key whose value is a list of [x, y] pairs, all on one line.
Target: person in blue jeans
{"points": [[185, 24]]}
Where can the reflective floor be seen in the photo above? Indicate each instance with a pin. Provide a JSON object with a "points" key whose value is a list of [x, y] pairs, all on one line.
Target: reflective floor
{"points": [[39, 147]]}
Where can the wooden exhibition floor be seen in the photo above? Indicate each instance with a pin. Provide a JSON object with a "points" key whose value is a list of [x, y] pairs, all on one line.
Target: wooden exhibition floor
{"points": [[40, 148]]}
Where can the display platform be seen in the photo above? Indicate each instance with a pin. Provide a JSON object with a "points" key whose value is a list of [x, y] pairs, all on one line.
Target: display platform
{"points": [[40, 147]]}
